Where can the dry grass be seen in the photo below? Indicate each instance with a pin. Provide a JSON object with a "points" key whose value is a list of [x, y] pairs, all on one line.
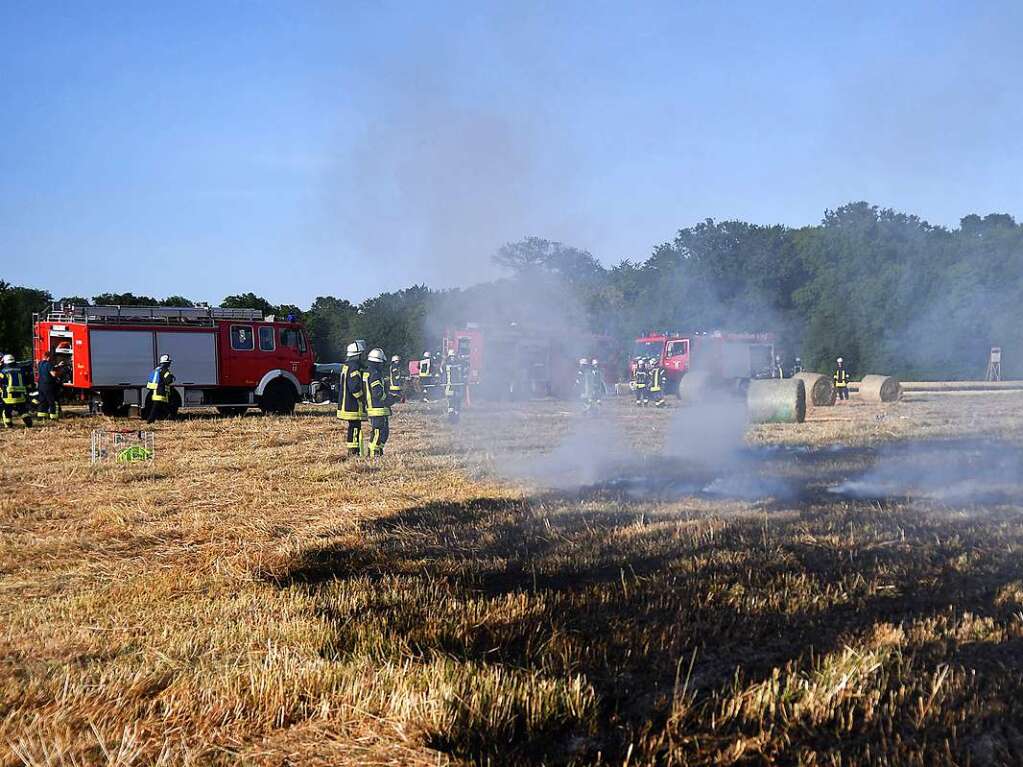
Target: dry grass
{"points": [[250, 597]]}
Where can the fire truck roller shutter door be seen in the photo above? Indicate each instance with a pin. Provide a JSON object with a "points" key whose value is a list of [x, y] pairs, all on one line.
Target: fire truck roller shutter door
{"points": [[194, 355], [121, 357]]}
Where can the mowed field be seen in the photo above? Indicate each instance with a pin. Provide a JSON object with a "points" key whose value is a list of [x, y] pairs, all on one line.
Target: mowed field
{"points": [[847, 591]]}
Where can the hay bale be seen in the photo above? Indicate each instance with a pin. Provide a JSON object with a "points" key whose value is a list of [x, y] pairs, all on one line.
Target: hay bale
{"points": [[696, 387], [875, 388], [776, 400], [820, 389]]}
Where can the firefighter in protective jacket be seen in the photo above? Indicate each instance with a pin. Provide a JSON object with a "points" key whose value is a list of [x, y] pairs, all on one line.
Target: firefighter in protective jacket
{"points": [[13, 393], [657, 382], [377, 401], [396, 380], [841, 379], [351, 399], [159, 386], [454, 385], [47, 386], [640, 382]]}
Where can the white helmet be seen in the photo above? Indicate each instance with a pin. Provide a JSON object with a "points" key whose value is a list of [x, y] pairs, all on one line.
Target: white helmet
{"points": [[451, 352], [594, 362], [8, 359], [165, 359], [376, 355], [426, 355], [361, 345], [582, 360], [395, 358], [840, 360], [353, 350]]}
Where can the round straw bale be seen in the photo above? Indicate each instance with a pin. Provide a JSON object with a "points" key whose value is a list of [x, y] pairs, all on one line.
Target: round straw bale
{"points": [[820, 389], [876, 388], [696, 386], [776, 400]]}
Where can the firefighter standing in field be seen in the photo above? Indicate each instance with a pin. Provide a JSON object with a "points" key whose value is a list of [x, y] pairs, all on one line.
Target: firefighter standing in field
{"points": [[454, 385], [841, 380], [378, 400], [48, 385], [640, 381], [657, 382], [13, 393], [425, 374], [596, 387], [159, 386], [351, 400], [396, 380]]}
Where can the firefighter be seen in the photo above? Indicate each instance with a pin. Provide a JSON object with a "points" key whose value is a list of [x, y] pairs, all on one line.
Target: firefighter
{"points": [[425, 372], [378, 399], [159, 385], [351, 405], [396, 380], [13, 393], [640, 381], [581, 377], [778, 371], [47, 387], [656, 382], [798, 367], [597, 387], [841, 379], [454, 385]]}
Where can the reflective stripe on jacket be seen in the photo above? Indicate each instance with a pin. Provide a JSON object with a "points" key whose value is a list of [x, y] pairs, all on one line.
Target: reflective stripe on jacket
{"points": [[655, 384], [841, 378], [376, 394], [13, 382], [159, 383], [350, 406]]}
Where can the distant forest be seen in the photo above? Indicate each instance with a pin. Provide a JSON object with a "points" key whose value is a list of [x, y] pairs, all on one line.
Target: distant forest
{"points": [[885, 290]]}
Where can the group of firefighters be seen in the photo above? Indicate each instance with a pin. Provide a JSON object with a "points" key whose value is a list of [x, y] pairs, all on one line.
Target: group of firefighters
{"points": [[16, 400]]}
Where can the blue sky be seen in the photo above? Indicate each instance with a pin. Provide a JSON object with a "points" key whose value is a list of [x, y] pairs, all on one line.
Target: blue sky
{"points": [[304, 149]]}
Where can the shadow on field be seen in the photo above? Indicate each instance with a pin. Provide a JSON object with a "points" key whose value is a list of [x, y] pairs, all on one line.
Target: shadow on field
{"points": [[623, 595]]}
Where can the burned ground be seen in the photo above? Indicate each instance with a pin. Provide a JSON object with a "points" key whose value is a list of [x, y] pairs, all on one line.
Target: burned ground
{"points": [[849, 591]]}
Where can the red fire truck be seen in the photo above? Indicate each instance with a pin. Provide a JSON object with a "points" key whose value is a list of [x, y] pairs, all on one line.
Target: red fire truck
{"points": [[515, 361], [732, 356], [231, 359]]}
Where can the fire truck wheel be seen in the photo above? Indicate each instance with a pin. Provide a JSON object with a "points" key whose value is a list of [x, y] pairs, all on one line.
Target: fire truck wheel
{"points": [[278, 398], [111, 403]]}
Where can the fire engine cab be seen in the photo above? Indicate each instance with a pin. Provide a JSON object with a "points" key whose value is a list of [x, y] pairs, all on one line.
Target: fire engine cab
{"points": [[231, 359], [732, 356]]}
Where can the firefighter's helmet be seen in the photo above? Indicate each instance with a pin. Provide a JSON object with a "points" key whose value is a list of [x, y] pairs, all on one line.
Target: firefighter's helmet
{"points": [[64, 347], [395, 358], [594, 362], [582, 360], [376, 355], [353, 350], [426, 355], [165, 359], [8, 359], [361, 345], [451, 352], [840, 360], [653, 360]]}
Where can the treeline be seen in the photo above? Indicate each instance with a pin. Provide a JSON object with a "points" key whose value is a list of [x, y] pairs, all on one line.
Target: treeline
{"points": [[886, 290]]}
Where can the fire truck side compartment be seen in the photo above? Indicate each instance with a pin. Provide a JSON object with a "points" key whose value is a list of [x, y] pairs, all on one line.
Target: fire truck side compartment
{"points": [[121, 357], [194, 354]]}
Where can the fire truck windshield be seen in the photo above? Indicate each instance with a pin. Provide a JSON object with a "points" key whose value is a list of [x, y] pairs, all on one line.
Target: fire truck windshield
{"points": [[647, 349]]}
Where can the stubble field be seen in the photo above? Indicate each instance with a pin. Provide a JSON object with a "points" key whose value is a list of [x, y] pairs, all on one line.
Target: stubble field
{"points": [[844, 592]]}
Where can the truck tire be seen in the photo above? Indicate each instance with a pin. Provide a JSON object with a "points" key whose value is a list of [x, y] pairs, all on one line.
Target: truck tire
{"points": [[278, 398], [111, 403]]}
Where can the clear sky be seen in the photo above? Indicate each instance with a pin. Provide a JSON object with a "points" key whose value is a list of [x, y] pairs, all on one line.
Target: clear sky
{"points": [[303, 149]]}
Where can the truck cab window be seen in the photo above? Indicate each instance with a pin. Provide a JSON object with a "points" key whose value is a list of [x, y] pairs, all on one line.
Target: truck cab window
{"points": [[678, 348], [293, 339], [241, 338], [266, 339]]}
